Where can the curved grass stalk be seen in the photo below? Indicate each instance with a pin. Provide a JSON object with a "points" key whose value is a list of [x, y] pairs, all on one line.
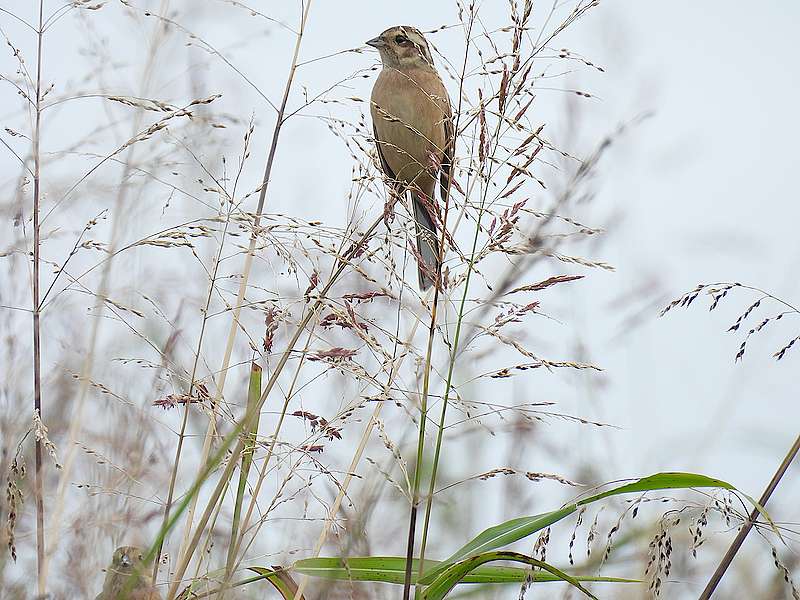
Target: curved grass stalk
{"points": [[445, 397]]}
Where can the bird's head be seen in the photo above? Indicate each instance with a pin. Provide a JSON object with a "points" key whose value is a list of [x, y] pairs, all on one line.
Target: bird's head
{"points": [[403, 46], [127, 559]]}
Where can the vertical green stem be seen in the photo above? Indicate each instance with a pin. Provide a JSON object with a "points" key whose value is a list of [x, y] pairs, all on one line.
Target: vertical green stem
{"points": [[253, 394], [423, 411], [429, 500]]}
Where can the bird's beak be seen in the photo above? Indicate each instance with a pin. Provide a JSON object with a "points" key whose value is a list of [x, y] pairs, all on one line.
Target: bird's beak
{"points": [[125, 561], [376, 42]]}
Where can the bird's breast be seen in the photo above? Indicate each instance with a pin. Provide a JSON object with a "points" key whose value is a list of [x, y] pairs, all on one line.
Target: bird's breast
{"points": [[408, 110]]}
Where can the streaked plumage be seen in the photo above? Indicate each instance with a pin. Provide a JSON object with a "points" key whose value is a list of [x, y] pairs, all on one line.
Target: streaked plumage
{"points": [[412, 119]]}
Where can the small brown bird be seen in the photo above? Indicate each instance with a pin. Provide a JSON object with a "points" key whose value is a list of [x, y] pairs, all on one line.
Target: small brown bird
{"points": [[413, 126], [127, 577]]}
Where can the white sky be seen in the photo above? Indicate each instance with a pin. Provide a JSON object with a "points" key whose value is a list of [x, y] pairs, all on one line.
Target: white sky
{"points": [[704, 190]]}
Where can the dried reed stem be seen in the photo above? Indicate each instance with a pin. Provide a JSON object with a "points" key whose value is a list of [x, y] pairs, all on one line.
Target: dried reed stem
{"points": [[37, 348], [117, 222], [751, 520]]}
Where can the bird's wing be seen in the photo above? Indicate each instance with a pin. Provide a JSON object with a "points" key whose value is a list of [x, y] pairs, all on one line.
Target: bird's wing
{"points": [[447, 159], [447, 169], [387, 170]]}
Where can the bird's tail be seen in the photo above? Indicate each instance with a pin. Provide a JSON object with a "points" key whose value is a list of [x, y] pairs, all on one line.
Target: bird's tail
{"points": [[427, 244]]}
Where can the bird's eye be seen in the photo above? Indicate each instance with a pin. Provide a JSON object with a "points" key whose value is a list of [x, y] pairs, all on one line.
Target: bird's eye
{"points": [[141, 557], [401, 39]]}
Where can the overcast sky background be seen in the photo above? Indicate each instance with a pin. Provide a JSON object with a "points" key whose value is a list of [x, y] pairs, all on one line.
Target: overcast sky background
{"points": [[703, 190]]}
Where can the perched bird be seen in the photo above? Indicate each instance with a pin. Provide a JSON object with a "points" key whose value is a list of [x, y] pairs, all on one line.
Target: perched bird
{"points": [[127, 577], [413, 126]]}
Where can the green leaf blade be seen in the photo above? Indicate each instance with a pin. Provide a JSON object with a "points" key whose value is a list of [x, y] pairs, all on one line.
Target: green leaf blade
{"points": [[391, 569], [502, 535], [661, 481], [517, 529], [455, 573]]}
